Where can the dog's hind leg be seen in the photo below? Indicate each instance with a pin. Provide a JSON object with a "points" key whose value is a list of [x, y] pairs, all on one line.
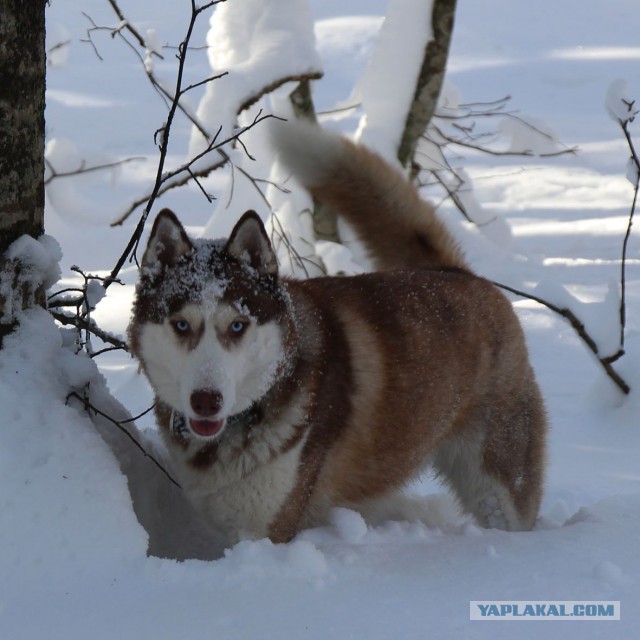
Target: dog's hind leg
{"points": [[496, 469]]}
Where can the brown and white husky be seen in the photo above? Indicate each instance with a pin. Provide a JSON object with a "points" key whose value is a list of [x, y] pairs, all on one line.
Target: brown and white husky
{"points": [[280, 399]]}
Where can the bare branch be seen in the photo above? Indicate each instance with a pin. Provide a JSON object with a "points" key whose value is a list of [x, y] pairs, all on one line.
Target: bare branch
{"points": [[453, 195], [54, 173], [623, 267], [183, 49], [195, 85], [170, 179], [125, 24], [56, 47], [191, 174], [580, 329], [492, 152], [88, 407]]}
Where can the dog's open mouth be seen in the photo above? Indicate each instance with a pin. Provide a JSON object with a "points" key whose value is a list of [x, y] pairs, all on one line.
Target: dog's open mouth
{"points": [[206, 428]]}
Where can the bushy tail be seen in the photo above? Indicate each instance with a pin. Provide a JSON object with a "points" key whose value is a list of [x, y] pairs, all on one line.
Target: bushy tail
{"points": [[399, 229]]}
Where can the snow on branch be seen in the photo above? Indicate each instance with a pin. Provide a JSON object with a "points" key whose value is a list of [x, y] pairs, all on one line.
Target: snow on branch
{"points": [[85, 300], [259, 55], [457, 128], [125, 24]]}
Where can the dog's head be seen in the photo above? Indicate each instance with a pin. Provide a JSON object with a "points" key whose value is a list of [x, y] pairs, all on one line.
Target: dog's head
{"points": [[210, 321]]}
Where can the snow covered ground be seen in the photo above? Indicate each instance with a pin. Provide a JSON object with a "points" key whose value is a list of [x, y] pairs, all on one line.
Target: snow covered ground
{"points": [[72, 553]]}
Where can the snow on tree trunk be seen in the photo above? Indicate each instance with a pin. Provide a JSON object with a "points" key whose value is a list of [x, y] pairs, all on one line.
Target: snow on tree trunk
{"points": [[22, 99], [430, 78], [402, 84]]}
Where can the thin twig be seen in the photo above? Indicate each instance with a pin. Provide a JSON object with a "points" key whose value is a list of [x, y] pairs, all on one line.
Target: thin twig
{"points": [[131, 29], [453, 195], [623, 267], [493, 152], [132, 245], [170, 179], [140, 415], [167, 186], [84, 169], [89, 407]]}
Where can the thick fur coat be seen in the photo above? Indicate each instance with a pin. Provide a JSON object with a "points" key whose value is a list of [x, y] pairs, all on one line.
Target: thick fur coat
{"points": [[280, 399]]}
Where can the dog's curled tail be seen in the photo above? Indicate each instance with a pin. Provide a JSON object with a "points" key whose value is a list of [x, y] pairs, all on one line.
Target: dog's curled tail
{"points": [[399, 229]]}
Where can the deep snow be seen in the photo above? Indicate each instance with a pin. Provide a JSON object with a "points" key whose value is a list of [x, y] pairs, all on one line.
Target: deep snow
{"points": [[72, 553]]}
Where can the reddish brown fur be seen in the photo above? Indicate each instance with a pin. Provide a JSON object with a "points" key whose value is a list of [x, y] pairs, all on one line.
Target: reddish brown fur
{"points": [[434, 355], [422, 357]]}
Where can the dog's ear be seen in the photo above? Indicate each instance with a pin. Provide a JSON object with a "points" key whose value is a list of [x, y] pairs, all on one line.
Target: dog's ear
{"points": [[167, 243], [249, 243]]}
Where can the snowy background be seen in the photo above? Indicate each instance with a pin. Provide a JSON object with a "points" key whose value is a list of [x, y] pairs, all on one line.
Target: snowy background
{"points": [[73, 556]]}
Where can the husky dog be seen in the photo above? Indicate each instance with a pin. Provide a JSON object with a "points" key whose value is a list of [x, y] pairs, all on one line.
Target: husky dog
{"points": [[280, 399]]}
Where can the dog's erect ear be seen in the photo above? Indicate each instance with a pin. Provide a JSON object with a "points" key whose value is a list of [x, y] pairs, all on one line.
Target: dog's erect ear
{"points": [[249, 243], [167, 243]]}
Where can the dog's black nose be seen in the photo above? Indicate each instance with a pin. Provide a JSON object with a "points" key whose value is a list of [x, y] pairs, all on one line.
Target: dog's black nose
{"points": [[206, 402]]}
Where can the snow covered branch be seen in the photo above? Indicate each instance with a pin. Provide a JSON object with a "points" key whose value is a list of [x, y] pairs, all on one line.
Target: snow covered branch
{"points": [[89, 326], [84, 299]]}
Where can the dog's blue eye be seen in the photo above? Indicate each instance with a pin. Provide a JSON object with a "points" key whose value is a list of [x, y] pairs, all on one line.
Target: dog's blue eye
{"points": [[181, 326], [237, 327]]}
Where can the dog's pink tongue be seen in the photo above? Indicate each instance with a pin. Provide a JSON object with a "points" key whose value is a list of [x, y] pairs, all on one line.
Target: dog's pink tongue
{"points": [[206, 428]]}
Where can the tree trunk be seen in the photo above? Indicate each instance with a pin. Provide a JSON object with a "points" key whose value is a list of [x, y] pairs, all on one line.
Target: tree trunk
{"points": [[22, 100], [430, 78]]}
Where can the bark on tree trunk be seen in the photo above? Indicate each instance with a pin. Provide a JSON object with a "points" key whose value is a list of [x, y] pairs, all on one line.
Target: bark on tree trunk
{"points": [[22, 100]]}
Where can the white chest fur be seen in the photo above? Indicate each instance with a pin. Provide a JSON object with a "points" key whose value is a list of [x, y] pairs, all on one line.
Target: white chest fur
{"points": [[245, 488]]}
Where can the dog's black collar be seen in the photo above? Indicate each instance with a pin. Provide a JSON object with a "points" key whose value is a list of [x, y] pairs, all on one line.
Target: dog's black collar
{"points": [[242, 420]]}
